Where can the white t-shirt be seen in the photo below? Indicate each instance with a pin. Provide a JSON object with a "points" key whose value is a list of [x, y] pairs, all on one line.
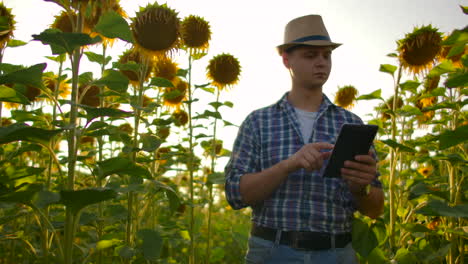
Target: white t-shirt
{"points": [[306, 122]]}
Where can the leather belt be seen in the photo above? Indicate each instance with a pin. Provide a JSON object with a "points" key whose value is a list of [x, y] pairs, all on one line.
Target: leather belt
{"points": [[303, 240]]}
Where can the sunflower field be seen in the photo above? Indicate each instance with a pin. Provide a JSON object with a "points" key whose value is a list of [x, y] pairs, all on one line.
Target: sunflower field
{"points": [[125, 165]]}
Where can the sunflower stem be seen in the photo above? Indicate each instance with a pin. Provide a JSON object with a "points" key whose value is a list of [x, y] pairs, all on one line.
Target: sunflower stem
{"points": [[72, 145], [190, 166], [393, 164], [210, 185]]}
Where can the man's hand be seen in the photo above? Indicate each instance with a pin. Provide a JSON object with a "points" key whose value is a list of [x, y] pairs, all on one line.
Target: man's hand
{"points": [[360, 173], [309, 157]]}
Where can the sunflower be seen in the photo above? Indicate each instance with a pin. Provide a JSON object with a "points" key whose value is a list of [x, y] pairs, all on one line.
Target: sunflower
{"points": [[426, 171], [162, 155], [66, 22], [388, 106], [126, 128], [156, 30], [166, 68], [163, 132], [10, 22], [50, 82], [5, 121], [346, 96], [224, 70], [173, 96], [89, 95], [181, 117], [134, 56], [419, 49], [456, 59], [431, 82], [28, 91], [97, 9], [434, 223], [196, 34], [208, 147]]}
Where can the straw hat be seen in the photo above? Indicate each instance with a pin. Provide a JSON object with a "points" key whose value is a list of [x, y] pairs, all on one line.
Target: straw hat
{"points": [[306, 30]]}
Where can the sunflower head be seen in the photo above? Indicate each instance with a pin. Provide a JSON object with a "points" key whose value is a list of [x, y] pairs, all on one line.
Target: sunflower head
{"points": [[224, 70], [389, 106], [5, 122], [166, 68], [419, 49], [8, 25], [181, 117], [51, 82], [66, 21], [96, 10], [196, 33], [426, 171], [174, 96], [163, 132], [456, 59], [89, 95], [136, 57], [163, 154], [346, 96], [431, 82], [28, 91], [155, 29], [126, 128]]}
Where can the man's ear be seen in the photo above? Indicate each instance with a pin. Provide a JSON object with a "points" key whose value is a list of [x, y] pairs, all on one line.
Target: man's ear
{"points": [[285, 58]]}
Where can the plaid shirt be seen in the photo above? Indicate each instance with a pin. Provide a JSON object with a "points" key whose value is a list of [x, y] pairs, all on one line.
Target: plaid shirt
{"points": [[305, 201]]}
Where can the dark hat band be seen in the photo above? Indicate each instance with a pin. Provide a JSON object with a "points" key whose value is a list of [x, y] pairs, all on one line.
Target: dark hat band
{"points": [[312, 37]]}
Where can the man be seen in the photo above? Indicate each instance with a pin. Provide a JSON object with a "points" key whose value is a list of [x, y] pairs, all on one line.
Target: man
{"points": [[277, 163]]}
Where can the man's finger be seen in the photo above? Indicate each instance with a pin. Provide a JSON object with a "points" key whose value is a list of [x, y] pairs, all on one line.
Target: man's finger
{"points": [[323, 145]]}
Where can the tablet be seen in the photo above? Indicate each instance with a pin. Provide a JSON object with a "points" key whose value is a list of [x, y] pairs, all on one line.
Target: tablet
{"points": [[353, 140]]}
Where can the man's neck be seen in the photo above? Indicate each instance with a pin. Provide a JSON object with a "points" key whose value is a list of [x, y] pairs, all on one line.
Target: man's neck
{"points": [[306, 99]]}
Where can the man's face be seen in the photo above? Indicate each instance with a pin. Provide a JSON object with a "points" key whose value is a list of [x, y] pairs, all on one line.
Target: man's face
{"points": [[309, 66]]}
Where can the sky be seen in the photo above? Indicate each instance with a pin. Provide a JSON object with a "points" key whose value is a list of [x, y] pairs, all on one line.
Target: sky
{"points": [[251, 29]]}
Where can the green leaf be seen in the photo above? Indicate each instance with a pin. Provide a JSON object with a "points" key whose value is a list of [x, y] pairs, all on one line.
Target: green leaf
{"points": [[152, 244], [65, 42], [458, 79], [161, 82], [9, 218], [377, 256], [24, 195], [395, 145], [404, 256], [104, 244], [388, 68], [15, 173], [410, 85], [464, 9], [45, 198], [13, 43], [150, 142], [94, 112], [121, 166], [207, 114], [98, 58], [409, 110], [216, 178], [444, 67], [377, 94], [114, 80], [457, 37], [30, 76], [457, 49], [364, 239], [77, 200], [440, 208], [8, 94], [21, 131], [112, 25], [452, 138], [420, 189], [182, 73], [439, 254], [415, 228]]}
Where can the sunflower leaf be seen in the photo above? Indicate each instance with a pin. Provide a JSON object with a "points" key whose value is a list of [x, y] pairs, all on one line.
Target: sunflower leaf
{"points": [[13, 43], [364, 239], [151, 245], [441, 208], [388, 68], [113, 25], [464, 9], [444, 67], [457, 36], [121, 166], [64, 42], [98, 58], [77, 200], [161, 82], [395, 145], [409, 110], [29, 76], [457, 49], [21, 131], [114, 80], [8, 94], [377, 94], [95, 112], [453, 137], [410, 85], [458, 79]]}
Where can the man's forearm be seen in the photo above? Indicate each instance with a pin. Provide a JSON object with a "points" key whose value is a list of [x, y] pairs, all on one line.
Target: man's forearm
{"points": [[371, 204], [256, 187]]}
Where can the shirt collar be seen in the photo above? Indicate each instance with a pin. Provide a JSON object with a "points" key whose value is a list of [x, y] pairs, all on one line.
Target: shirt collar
{"points": [[283, 103]]}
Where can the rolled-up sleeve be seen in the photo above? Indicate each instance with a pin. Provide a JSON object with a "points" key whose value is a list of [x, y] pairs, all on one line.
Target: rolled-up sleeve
{"points": [[244, 159]]}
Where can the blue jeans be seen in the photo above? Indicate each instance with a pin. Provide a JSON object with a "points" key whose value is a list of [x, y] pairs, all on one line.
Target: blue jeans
{"points": [[263, 251]]}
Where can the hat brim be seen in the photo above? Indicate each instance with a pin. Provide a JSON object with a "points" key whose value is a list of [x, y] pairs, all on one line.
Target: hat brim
{"points": [[319, 43]]}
